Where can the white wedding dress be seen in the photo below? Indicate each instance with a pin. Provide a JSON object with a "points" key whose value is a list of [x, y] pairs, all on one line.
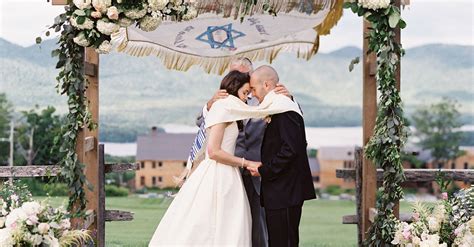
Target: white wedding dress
{"points": [[211, 208]]}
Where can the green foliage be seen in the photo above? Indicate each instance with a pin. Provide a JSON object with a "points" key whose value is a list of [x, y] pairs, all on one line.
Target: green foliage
{"points": [[112, 190], [390, 133], [334, 190], [5, 117], [42, 127], [436, 128], [13, 194]]}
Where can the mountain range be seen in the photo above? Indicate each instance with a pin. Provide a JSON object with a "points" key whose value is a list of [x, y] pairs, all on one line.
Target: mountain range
{"points": [[136, 93]]}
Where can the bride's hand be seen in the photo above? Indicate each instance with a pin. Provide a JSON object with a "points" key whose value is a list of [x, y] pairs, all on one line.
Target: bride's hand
{"points": [[220, 94], [252, 164]]}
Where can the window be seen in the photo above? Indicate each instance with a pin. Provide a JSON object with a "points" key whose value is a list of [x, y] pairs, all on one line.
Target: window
{"points": [[142, 164], [466, 165], [440, 165], [160, 164], [316, 179], [142, 181], [153, 180], [453, 165], [184, 164], [153, 165], [160, 179]]}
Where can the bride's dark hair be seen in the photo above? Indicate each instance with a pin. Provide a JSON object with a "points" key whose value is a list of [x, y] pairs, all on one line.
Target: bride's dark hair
{"points": [[232, 82]]}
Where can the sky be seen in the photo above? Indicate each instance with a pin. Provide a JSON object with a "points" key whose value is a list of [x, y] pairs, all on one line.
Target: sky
{"points": [[429, 21]]}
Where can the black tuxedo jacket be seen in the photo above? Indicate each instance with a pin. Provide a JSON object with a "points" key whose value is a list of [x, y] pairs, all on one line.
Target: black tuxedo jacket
{"points": [[286, 175]]}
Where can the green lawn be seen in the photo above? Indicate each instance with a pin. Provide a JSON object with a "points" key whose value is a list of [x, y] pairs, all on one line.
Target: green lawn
{"points": [[320, 226]]}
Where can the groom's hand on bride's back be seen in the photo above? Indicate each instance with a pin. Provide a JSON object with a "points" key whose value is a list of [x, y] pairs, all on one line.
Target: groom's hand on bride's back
{"points": [[281, 89], [220, 94]]}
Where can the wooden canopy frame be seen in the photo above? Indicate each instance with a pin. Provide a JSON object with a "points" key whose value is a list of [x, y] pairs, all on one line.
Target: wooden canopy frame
{"points": [[88, 145]]}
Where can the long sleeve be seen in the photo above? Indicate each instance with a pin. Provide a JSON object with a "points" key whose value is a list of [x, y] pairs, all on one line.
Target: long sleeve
{"points": [[289, 130]]}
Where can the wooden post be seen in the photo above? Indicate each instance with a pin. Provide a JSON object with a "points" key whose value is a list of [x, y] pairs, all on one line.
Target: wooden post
{"points": [[358, 181], [101, 191], [88, 151], [369, 173]]}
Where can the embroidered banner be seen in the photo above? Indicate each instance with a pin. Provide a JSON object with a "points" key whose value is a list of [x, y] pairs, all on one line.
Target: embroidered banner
{"points": [[211, 41]]}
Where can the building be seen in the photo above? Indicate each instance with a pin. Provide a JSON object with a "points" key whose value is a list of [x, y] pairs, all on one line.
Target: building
{"points": [[315, 171], [161, 157], [333, 158]]}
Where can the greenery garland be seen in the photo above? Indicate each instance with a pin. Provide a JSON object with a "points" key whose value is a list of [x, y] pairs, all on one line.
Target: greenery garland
{"points": [[385, 146]]}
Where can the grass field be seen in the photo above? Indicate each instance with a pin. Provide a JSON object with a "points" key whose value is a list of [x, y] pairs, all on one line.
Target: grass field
{"points": [[320, 226]]}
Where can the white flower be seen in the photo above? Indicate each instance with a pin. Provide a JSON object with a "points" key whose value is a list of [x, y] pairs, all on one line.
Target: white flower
{"points": [[96, 14], [36, 239], [82, 4], [43, 228], [88, 23], [104, 48], [101, 5], [156, 5], [149, 23], [125, 22], [433, 224], [113, 13], [190, 14], [65, 224], [107, 28], [136, 13], [81, 40], [374, 4], [51, 241], [6, 239]]}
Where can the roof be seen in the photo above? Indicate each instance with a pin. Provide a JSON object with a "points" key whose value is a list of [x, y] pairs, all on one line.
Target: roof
{"points": [[336, 153], [164, 146], [314, 164]]}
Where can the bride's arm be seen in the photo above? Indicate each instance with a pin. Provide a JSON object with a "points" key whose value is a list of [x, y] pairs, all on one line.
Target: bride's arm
{"points": [[216, 134]]}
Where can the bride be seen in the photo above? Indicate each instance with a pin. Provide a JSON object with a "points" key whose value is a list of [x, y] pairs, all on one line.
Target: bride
{"points": [[211, 208]]}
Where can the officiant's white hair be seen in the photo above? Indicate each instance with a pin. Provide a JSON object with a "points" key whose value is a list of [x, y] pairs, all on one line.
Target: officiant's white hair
{"points": [[241, 64]]}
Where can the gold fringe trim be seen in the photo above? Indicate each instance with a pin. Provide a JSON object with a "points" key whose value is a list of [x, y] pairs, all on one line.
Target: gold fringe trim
{"points": [[173, 59], [332, 18]]}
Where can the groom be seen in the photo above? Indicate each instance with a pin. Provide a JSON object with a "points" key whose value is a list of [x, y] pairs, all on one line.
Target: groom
{"points": [[285, 171]]}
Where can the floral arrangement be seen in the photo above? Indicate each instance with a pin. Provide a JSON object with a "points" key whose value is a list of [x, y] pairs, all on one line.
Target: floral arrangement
{"points": [[97, 20], [448, 223], [25, 222]]}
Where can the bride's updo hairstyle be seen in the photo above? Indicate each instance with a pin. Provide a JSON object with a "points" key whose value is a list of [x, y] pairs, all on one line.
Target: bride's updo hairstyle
{"points": [[232, 82]]}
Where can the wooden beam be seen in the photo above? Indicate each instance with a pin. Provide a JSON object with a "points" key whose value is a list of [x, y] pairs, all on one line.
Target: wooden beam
{"points": [[353, 219], [90, 69], [109, 168], [358, 162], [101, 207], [117, 215], [418, 175], [369, 110], [29, 171], [59, 2]]}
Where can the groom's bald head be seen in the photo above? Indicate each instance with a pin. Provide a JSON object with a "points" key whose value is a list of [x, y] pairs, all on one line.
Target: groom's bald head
{"points": [[263, 80]]}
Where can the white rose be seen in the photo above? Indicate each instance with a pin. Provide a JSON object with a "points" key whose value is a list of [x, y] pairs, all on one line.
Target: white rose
{"points": [[149, 23], [82, 4], [433, 224], [101, 5], [107, 28], [43, 228], [36, 239], [191, 14], [136, 13], [374, 4], [125, 22], [88, 23], [81, 40], [104, 48], [112, 13], [96, 14], [6, 237], [156, 5]]}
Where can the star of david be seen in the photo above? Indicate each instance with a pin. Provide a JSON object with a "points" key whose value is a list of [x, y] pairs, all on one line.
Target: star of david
{"points": [[220, 36]]}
